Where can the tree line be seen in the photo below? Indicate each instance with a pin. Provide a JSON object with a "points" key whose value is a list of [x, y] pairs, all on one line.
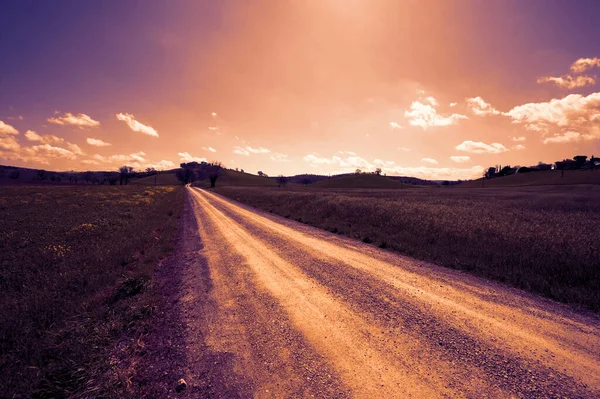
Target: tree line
{"points": [[578, 162]]}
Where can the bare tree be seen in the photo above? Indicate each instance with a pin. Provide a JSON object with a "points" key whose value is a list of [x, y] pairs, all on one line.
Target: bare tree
{"points": [[378, 171], [260, 173], [357, 171]]}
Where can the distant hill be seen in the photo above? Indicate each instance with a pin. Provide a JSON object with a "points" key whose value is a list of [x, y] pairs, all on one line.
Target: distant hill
{"points": [[231, 177], [359, 181], [162, 179], [549, 177]]}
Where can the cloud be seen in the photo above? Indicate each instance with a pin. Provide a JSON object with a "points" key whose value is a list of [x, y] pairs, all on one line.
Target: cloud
{"points": [[209, 149], [46, 139], [478, 106], [90, 162], [453, 104], [137, 126], [429, 160], [351, 163], [477, 147], [568, 81], [404, 149], [74, 148], [570, 111], [47, 151], [6, 129], [9, 143], [213, 114], [82, 121], [522, 138], [460, 158], [583, 64], [279, 157], [567, 137], [395, 125], [97, 142], [213, 128], [132, 159], [519, 147], [186, 157], [423, 113], [249, 150], [162, 165]]}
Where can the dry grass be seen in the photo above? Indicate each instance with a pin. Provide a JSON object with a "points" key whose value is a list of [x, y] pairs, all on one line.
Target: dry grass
{"points": [[543, 239], [73, 261]]}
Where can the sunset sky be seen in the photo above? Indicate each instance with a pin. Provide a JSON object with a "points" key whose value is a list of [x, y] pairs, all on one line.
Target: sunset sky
{"points": [[433, 89]]}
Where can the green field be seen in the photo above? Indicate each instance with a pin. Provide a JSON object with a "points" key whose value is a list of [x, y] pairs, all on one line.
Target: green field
{"points": [[72, 260], [543, 239]]}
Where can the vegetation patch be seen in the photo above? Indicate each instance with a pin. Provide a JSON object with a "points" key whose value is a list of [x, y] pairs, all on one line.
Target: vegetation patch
{"points": [[541, 239], [76, 269]]}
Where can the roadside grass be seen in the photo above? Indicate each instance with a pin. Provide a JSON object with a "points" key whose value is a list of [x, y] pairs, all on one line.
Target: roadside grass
{"points": [[76, 269], [541, 239]]}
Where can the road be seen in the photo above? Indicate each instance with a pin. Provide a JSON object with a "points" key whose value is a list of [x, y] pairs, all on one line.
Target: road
{"points": [[301, 312]]}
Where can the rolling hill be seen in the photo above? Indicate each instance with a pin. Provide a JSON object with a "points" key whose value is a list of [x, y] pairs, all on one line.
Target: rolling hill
{"points": [[359, 181], [550, 177]]}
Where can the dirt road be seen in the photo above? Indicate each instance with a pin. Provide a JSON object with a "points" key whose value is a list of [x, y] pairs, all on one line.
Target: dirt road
{"points": [[299, 312]]}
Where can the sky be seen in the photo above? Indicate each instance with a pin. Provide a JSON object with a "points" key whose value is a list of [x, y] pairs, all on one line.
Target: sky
{"points": [[432, 89]]}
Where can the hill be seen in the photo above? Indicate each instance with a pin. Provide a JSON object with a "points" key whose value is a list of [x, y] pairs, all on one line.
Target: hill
{"points": [[162, 179], [358, 181], [231, 177], [550, 177]]}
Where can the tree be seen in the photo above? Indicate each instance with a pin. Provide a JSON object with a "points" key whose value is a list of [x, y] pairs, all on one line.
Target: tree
{"points": [[544, 166], [580, 160], [593, 161], [150, 171], [88, 176], [357, 171], [125, 172], [260, 173], [378, 171], [282, 181], [185, 175], [41, 175], [490, 172], [213, 170]]}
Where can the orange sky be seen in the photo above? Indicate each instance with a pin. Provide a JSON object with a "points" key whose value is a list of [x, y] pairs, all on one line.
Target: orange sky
{"points": [[433, 89]]}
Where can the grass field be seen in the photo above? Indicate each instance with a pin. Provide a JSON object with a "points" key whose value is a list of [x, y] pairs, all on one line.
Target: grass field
{"points": [[550, 177], [72, 260], [542, 239]]}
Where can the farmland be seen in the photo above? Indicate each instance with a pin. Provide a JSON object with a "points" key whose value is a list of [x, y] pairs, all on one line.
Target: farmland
{"points": [[72, 260], [541, 239]]}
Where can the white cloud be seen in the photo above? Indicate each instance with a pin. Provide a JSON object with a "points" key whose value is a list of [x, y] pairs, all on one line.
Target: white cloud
{"points": [[522, 138], [571, 111], [460, 158], [137, 126], [250, 150], [90, 162], [279, 157], [259, 150], [132, 159], [567, 137], [74, 148], [424, 114], [97, 142], [429, 160], [519, 147], [568, 81], [404, 149], [48, 151], [213, 128], [82, 121], [453, 105], [6, 129], [186, 157], [9, 143], [395, 125], [46, 139], [478, 106], [162, 165], [213, 114], [583, 64], [477, 147], [209, 149]]}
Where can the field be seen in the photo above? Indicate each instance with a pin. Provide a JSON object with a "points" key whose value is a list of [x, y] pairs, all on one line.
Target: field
{"points": [[161, 179], [550, 177], [358, 181], [542, 239], [72, 261]]}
